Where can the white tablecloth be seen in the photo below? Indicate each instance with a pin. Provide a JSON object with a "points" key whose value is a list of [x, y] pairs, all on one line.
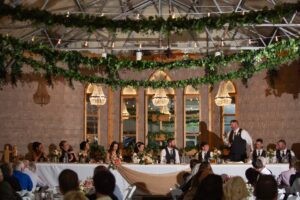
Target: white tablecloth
{"points": [[49, 171]]}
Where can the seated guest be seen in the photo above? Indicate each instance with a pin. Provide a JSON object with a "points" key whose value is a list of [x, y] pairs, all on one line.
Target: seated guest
{"points": [[211, 188], [252, 176], [68, 181], [31, 172], [104, 183], [283, 179], [24, 179], [117, 194], [38, 152], [6, 191], [204, 170], [204, 153], [7, 171], [266, 188], [235, 189], [84, 154], [170, 155], [260, 166], [188, 180], [138, 152], [283, 154], [66, 154], [113, 154], [297, 174], [75, 195], [259, 150]]}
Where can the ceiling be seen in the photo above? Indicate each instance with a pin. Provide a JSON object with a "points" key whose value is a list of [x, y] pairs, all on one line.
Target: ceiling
{"points": [[241, 38]]}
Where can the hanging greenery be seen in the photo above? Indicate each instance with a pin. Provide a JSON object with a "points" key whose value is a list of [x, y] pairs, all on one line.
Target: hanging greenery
{"points": [[152, 24], [268, 58]]}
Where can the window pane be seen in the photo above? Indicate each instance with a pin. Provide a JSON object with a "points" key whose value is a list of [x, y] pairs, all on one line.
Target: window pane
{"points": [[192, 120], [191, 141], [129, 121], [160, 122], [230, 109], [92, 128], [227, 120]]}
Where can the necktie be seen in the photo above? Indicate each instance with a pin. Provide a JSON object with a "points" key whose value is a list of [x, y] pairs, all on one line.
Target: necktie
{"points": [[283, 154], [258, 153]]}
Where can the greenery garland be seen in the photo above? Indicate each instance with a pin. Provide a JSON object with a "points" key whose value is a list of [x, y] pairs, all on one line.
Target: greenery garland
{"points": [[266, 60], [112, 64], [152, 24]]}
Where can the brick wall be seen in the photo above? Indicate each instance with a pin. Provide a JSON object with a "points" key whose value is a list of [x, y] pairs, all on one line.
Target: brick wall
{"points": [[270, 114]]}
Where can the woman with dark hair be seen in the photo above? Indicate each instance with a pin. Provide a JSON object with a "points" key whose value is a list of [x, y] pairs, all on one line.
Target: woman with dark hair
{"points": [[113, 154], [211, 188], [67, 155], [140, 156], [139, 147], [84, 154], [38, 152]]}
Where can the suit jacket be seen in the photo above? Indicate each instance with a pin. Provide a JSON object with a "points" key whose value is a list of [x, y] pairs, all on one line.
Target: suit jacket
{"points": [[7, 192], [255, 156], [206, 158]]}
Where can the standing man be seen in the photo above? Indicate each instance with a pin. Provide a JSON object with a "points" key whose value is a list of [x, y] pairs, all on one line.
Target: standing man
{"points": [[238, 140], [170, 154], [259, 150]]}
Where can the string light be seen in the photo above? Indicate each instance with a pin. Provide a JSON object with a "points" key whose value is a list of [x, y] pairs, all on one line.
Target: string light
{"points": [[276, 38], [86, 44], [59, 41], [68, 14], [33, 38], [243, 13], [173, 15], [208, 14], [195, 45], [102, 15], [140, 46], [113, 45], [249, 42], [138, 16], [222, 42]]}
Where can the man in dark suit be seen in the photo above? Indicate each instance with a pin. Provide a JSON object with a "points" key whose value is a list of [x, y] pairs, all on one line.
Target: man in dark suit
{"points": [[259, 150], [204, 153], [283, 154]]}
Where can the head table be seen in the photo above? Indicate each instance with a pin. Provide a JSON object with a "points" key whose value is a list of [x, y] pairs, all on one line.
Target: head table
{"points": [[127, 174]]}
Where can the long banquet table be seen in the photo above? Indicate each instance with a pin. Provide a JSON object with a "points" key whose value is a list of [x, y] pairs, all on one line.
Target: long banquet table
{"points": [[49, 172]]}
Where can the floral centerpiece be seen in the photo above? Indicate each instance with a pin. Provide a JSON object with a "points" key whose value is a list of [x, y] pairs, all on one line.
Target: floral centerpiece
{"points": [[271, 155], [216, 155], [142, 158], [86, 186], [54, 153], [116, 160]]}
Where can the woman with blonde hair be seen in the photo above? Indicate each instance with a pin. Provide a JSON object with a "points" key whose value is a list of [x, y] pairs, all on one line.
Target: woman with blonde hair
{"points": [[235, 189], [75, 195]]}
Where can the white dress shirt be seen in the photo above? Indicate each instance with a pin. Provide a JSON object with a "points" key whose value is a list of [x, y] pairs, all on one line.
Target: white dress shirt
{"points": [[266, 171], [283, 152], [36, 181], [244, 135], [163, 154]]}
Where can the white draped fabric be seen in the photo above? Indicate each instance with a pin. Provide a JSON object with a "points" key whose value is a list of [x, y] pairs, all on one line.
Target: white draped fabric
{"points": [[49, 171]]}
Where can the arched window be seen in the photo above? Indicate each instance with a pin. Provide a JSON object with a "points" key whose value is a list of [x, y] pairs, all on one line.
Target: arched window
{"points": [[160, 121], [191, 116], [92, 117], [128, 117], [229, 112]]}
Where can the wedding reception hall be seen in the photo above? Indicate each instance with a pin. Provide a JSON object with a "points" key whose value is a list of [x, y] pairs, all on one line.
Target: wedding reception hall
{"points": [[149, 99]]}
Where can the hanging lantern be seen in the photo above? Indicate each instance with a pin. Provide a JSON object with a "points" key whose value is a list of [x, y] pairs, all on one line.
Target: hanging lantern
{"points": [[41, 96], [97, 98], [160, 98], [223, 98], [125, 113]]}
